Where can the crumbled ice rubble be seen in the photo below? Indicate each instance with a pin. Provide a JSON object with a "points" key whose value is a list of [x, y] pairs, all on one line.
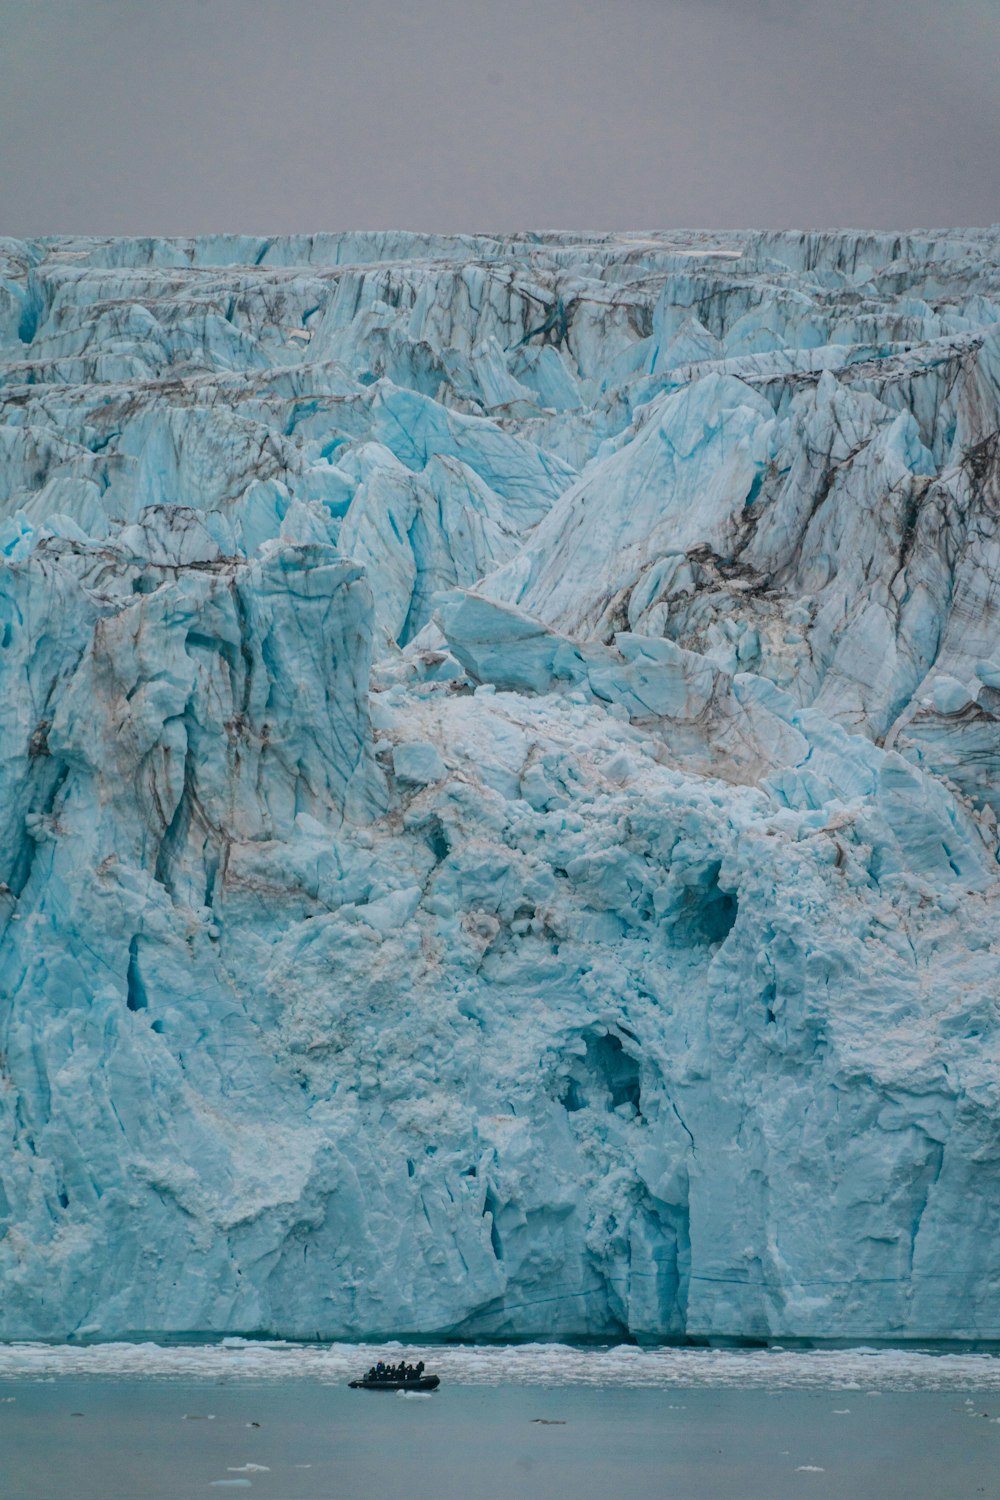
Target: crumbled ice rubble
{"points": [[498, 788], [522, 1364]]}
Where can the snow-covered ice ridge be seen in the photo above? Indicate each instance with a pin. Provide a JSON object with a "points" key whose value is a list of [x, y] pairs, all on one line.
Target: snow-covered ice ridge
{"points": [[866, 1371], [499, 767]]}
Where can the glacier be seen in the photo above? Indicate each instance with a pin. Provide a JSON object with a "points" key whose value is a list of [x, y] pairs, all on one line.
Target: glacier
{"points": [[499, 778]]}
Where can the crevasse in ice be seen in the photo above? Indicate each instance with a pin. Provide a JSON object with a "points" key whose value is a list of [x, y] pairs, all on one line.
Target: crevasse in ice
{"points": [[499, 769]]}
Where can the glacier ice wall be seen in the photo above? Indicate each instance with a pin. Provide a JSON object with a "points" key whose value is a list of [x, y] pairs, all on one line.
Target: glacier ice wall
{"points": [[499, 775]]}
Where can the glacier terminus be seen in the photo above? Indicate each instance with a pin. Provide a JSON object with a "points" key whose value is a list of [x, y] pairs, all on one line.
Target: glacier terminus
{"points": [[499, 778]]}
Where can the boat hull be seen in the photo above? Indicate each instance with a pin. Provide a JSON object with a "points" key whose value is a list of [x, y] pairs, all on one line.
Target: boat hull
{"points": [[425, 1383]]}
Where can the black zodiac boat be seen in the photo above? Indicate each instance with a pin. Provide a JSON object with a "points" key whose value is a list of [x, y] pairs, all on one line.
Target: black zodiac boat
{"points": [[423, 1383]]}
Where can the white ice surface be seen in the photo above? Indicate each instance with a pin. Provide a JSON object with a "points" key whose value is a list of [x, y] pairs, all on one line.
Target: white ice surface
{"points": [[862, 1370]]}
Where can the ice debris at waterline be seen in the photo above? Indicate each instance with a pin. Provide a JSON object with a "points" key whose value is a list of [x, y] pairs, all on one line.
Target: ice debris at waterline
{"points": [[499, 767], [866, 1371]]}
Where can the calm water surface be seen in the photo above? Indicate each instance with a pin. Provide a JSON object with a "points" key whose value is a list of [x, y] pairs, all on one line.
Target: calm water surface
{"points": [[71, 1438]]}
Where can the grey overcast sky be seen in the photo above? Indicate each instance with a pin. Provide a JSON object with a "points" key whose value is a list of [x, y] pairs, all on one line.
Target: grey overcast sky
{"points": [[182, 116]]}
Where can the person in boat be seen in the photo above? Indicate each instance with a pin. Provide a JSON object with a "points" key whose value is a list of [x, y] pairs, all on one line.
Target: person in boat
{"points": [[419, 1370]]}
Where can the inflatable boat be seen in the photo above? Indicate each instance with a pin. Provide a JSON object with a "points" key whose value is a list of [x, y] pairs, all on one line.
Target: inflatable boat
{"points": [[424, 1383]]}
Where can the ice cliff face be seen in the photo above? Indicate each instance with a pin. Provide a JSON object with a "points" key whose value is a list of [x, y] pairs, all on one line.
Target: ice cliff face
{"points": [[499, 769]]}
